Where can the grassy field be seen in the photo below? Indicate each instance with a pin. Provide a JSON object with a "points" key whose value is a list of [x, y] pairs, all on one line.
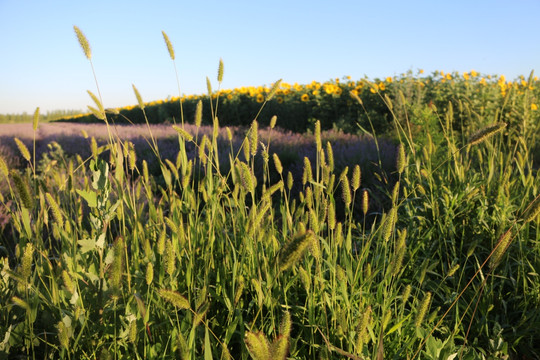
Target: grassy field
{"points": [[201, 241]]}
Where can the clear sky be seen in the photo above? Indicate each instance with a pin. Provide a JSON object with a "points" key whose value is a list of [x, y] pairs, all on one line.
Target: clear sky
{"points": [[42, 64]]}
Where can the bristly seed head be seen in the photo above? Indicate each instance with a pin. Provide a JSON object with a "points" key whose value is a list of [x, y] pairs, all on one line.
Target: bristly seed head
{"points": [[486, 132], [220, 71], [401, 160], [169, 45], [83, 42], [273, 90], [198, 113], [356, 177], [533, 210], [138, 96], [423, 309]]}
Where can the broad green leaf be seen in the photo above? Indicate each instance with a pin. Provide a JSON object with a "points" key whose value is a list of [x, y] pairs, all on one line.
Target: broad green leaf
{"points": [[87, 245], [89, 196]]}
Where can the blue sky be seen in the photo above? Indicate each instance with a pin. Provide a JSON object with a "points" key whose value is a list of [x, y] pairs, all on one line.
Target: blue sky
{"points": [[41, 63]]}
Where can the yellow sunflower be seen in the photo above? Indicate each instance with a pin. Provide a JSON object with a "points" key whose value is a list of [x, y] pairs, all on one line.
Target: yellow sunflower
{"points": [[260, 98], [304, 97]]}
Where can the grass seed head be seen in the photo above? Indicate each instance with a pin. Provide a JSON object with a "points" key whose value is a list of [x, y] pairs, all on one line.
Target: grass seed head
{"points": [[406, 293], [68, 282], [22, 189], [36, 119], [4, 169], [55, 209], [330, 155], [63, 336], [401, 160], [318, 135], [331, 216], [273, 121], [277, 164], [500, 249], [208, 86], [83, 42], [254, 137], [533, 210], [138, 96], [174, 298], [198, 113], [307, 175], [187, 136], [356, 177], [23, 149], [422, 310], [295, 249], [346, 190], [220, 71], [258, 345], [290, 180], [482, 134], [169, 45], [149, 273], [365, 202], [26, 261], [273, 90], [453, 270]]}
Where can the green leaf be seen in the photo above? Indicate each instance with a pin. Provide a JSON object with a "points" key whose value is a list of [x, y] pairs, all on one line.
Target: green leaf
{"points": [[26, 222], [100, 243], [207, 346], [398, 325], [89, 196], [87, 245]]}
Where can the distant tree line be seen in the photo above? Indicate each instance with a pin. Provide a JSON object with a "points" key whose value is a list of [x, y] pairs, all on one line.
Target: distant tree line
{"points": [[48, 116]]}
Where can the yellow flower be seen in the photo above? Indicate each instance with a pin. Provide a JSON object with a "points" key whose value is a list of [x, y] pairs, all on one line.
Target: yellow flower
{"points": [[382, 87], [328, 88], [389, 79], [354, 92], [279, 100], [338, 91], [448, 76], [260, 98], [483, 81], [304, 98], [348, 77], [524, 83], [466, 76], [421, 71], [316, 92], [374, 88], [229, 97], [534, 107], [474, 73]]}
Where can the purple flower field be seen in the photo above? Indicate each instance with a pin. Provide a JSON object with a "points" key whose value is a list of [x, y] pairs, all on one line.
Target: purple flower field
{"points": [[348, 149]]}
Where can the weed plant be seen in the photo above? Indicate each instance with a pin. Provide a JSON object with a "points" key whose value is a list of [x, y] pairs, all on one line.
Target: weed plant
{"points": [[104, 261]]}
